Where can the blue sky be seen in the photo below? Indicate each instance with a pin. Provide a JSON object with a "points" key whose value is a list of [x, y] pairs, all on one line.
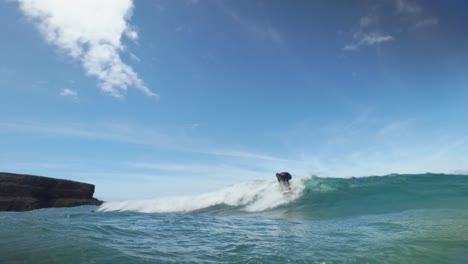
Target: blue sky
{"points": [[156, 98]]}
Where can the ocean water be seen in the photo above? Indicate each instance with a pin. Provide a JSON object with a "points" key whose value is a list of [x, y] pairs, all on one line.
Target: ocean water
{"points": [[386, 219]]}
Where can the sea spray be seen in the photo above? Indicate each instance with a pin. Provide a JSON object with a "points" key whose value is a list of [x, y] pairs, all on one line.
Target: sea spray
{"points": [[250, 196]]}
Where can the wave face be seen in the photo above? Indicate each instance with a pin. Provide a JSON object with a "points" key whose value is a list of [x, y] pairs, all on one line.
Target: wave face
{"points": [[316, 197]]}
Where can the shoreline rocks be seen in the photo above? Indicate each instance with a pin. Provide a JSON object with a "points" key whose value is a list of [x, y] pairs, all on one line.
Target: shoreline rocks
{"points": [[21, 192]]}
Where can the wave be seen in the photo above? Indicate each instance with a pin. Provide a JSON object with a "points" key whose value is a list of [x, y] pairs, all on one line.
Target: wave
{"points": [[250, 196], [318, 197]]}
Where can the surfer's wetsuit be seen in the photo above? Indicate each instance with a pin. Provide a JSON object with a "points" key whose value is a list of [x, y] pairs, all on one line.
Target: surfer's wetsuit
{"points": [[284, 178]]}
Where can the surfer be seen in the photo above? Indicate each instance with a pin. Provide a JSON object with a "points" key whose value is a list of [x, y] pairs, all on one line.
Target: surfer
{"points": [[283, 178]]}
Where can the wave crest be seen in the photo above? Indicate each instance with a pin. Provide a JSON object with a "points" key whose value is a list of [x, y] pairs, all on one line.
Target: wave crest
{"points": [[250, 196], [314, 197]]}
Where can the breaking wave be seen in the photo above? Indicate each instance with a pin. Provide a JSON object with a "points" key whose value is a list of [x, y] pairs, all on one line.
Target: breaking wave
{"points": [[318, 197]]}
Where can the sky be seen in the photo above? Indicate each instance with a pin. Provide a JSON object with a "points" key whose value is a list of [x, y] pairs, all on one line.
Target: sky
{"points": [[171, 97]]}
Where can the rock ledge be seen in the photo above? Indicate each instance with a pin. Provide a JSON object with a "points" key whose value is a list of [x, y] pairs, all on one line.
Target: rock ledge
{"points": [[20, 192]]}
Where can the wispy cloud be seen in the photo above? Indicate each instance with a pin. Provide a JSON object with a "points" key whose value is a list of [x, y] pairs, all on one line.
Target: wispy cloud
{"points": [[426, 22], [194, 126], [407, 7], [367, 39], [107, 131], [129, 134], [383, 23], [241, 154], [396, 128], [366, 21], [413, 13], [68, 92], [134, 57], [207, 170], [263, 30], [90, 31], [6, 72], [16, 166]]}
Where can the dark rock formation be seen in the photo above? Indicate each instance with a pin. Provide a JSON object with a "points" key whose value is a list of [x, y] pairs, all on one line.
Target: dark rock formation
{"points": [[19, 192]]}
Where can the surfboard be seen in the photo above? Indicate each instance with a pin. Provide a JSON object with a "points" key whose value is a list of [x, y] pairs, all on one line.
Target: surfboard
{"points": [[284, 188]]}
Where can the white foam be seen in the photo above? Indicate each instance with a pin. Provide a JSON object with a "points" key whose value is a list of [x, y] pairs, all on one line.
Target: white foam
{"points": [[251, 196]]}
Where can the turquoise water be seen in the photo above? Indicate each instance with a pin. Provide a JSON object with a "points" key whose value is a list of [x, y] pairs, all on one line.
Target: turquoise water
{"points": [[388, 219]]}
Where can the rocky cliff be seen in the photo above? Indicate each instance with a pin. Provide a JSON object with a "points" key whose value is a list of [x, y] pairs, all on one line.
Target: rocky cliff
{"points": [[19, 192]]}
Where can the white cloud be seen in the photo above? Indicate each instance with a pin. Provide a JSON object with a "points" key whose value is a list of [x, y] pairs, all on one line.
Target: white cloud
{"points": [[91, 32], [68, 92], [367, 39]]}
